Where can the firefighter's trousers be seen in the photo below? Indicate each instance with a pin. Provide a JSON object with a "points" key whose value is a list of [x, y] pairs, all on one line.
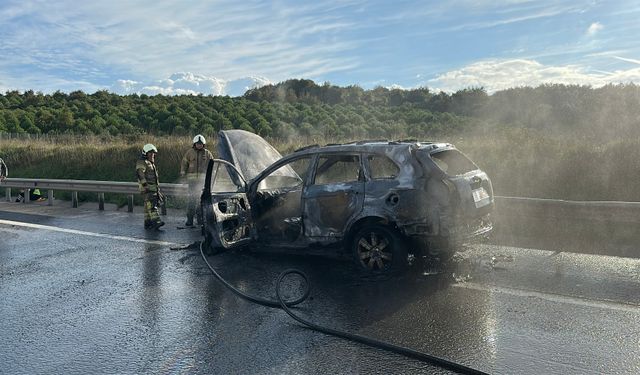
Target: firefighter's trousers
{"points": [[151, 214]]}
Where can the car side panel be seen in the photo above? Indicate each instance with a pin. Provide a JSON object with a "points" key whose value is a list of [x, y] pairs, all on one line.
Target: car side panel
{"points": [[328, 208]]}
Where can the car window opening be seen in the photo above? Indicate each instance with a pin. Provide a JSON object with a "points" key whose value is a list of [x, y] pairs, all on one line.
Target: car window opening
{"points": [[453, 162], [337, 169], [382, 168]]}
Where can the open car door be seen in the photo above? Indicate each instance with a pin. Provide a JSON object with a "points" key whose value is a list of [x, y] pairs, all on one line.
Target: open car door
{"points": [[228, 217], [225, 208]]}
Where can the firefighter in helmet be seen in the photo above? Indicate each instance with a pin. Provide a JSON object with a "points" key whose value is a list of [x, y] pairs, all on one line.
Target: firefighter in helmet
{"points": [[149, 186], [194, 166]]}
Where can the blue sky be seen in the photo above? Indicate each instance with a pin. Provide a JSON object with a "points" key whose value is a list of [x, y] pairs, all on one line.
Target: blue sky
{"points": [[223, 47]]}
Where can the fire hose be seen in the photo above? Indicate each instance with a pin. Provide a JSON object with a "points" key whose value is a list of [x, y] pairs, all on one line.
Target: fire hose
{"points": [[285, 305]]}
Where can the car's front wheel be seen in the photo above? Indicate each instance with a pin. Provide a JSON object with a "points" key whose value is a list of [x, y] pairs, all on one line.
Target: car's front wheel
{"points": [[208, 247], [379, 249]]}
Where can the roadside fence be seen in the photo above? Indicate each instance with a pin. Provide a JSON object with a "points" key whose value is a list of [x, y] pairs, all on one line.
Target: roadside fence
{"points": [[75, 186]]}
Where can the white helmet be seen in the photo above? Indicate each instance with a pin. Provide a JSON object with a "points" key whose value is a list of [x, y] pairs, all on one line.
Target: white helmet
{"points": [[149, 148], [199, 138]]}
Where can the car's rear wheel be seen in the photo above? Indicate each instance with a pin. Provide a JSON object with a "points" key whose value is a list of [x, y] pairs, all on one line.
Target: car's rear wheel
{"points": [[379, 249]]}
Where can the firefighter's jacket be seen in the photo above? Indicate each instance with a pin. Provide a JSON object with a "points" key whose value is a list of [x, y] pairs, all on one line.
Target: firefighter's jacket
{"points": [[147, 175], [4, 172], [194, 162]]}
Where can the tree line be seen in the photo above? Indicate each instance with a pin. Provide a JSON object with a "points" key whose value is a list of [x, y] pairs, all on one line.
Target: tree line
{"points": [[107, 113], [303, 108]]}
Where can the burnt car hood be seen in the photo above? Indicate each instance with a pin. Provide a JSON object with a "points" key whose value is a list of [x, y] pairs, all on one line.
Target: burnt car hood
{"points": [[249, 152]]}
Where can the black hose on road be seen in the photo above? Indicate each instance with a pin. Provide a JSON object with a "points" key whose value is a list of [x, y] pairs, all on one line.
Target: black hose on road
{"points": [[260, 300], [281, 303]]}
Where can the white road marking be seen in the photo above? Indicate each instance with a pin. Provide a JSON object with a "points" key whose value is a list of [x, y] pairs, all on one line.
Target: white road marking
{"points": [[85, 233], [610, 305]]}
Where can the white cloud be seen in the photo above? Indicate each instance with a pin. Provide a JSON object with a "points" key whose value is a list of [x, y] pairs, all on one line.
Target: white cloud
{"points": [[238, 87], [126, 86], [68, 45], [45, 83], [634, 61], [526, 16], [495, 75], [226, 39], [594, 28], [186, 83], [395, 86]]}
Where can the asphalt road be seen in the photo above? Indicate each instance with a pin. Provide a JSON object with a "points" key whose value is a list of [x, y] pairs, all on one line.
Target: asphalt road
{"points": [[83, 291]]}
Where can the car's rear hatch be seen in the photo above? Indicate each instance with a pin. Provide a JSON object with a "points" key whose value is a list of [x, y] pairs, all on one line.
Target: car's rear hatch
{"points": [[472, 193], [475, 192]]}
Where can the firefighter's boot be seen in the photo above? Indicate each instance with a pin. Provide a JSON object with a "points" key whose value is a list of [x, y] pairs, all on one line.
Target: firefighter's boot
{"points": [[148, 224]]}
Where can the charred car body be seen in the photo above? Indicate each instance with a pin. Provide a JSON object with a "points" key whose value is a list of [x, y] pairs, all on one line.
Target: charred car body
{"points": [[377, 201]]}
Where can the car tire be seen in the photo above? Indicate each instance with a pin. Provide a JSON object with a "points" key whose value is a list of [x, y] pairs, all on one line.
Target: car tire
{"points": [[378, 249], [208, 247]]}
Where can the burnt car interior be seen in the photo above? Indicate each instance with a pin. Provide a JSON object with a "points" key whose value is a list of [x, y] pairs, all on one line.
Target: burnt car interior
{"points": [[278, 203], [334, 169], [331, 200], [382, 168]]}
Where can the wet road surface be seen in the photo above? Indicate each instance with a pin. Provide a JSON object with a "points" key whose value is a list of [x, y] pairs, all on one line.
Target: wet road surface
{"points": [[83, 291]]}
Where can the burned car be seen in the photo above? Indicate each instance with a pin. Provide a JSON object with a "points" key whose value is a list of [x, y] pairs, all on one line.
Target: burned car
{"points": [[379, 202]]}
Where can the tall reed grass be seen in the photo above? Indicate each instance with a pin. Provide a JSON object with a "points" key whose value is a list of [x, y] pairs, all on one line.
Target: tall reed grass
{"points": [[522, 163]]}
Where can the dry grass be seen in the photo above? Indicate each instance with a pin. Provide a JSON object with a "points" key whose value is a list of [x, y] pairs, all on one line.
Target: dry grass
{"points": [[89, 157], [522, 163]]}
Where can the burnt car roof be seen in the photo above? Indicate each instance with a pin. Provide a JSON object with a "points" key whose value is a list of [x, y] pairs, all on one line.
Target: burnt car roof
{"points": [[368, 146], [252, 154]]}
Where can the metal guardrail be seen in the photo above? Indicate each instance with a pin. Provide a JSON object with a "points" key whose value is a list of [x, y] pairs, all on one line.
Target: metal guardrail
{"points": [[587, 227], [100, 187], [563, 209], [533, 207]]}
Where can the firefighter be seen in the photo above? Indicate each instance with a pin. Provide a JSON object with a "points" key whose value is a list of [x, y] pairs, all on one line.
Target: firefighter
{"points": [[149, 186], [194, 166], [3, 170]]}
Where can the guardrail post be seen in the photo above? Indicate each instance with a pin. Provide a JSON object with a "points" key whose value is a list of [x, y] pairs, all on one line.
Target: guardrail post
{"points": [[74, 199], [50, 197], [130, 201], [101, 201], [7, 194], [27, 196]]}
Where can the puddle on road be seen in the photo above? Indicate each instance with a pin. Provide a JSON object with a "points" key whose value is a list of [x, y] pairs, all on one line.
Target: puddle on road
{"points": [[462, 269], [337, 280]]}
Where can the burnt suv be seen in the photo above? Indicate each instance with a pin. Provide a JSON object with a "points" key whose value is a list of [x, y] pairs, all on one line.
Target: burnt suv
{"points": [[378, 201]]}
